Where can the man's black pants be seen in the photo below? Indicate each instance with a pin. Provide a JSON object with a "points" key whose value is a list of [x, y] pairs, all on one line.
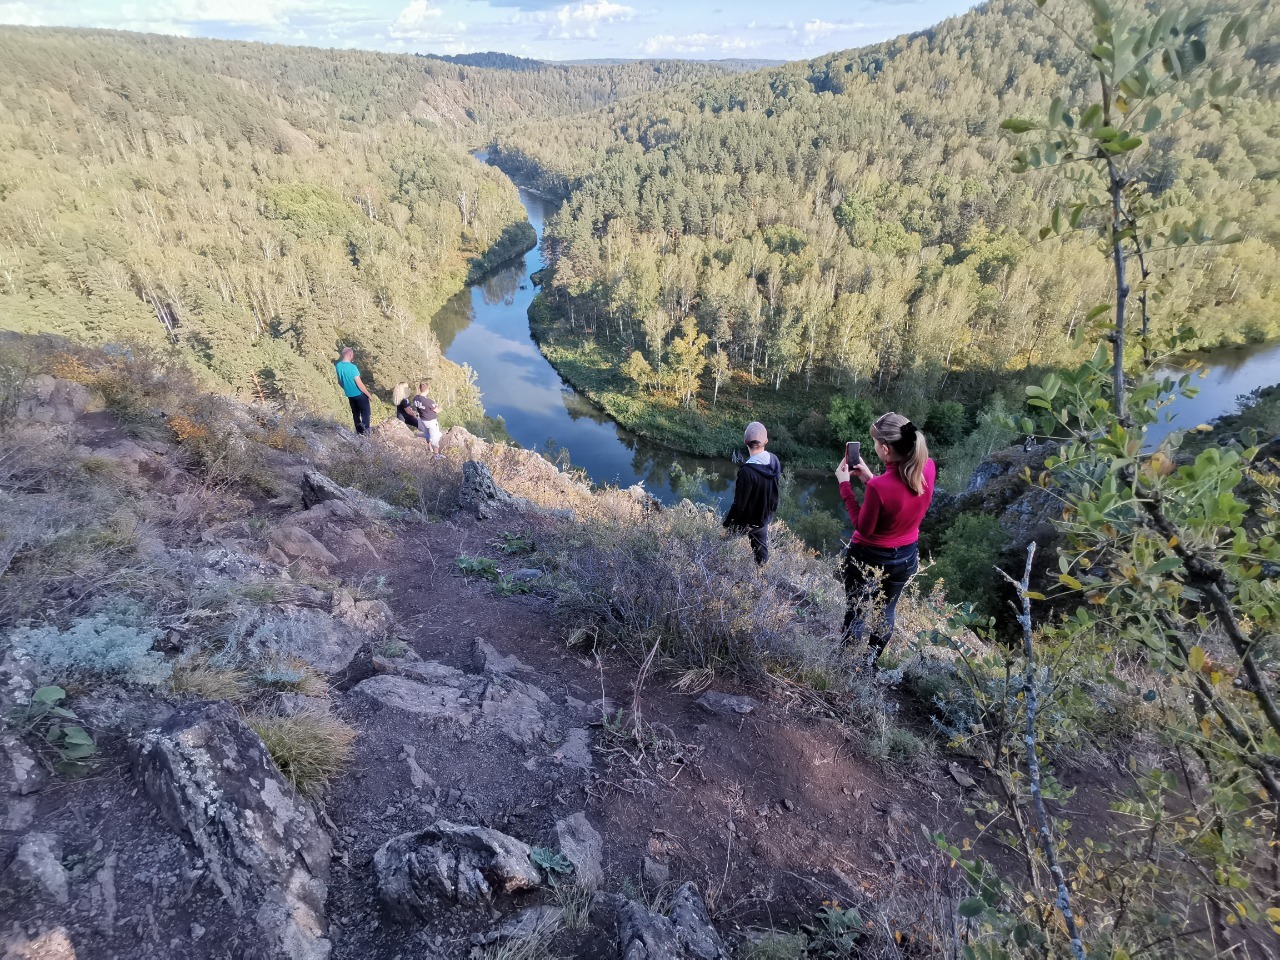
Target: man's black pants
{"points": [[360, 412]]}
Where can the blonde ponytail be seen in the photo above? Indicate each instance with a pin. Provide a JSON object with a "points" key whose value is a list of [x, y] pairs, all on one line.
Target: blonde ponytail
{"points": [[401, 392], [907, 442]]}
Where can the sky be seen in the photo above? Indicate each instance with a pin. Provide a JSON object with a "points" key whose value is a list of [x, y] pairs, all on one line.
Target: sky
{"points": [[542, 29]]}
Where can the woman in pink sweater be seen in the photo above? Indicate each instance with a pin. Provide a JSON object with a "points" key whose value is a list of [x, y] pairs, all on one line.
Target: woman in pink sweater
{"points": [[883, 553]]}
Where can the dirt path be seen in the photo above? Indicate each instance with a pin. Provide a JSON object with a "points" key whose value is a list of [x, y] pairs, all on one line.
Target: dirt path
{"points": [[770, 812]]}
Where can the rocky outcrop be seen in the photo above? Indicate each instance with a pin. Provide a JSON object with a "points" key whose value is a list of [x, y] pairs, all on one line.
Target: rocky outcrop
{"points": [[686, 935], [726, 703], [438, 692], [50, 400], [213, 781], [446, 860], [480, 493], [319, 489]]}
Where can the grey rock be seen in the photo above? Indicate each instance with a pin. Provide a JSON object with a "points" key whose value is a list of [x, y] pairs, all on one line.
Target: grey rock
{"points": [[457, 862], [726, 703], [36, 870], [479, 492], [51, 400], [20, 769], [655, 872], [317, 489], [297, 544], [489, 660], [440, 701], [582, 846], [435, 691], [526, 575], [693, 927], [212, 779], [686, 935], [576, 749]]}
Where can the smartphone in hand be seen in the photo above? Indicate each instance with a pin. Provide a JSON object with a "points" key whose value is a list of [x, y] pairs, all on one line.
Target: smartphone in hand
{"points": [[852, 453]]}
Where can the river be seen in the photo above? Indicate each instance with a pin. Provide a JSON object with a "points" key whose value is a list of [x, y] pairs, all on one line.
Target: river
{"points": [[486, 326]]}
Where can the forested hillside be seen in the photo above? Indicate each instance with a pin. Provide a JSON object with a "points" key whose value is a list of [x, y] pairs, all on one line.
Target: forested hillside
{"points": [[258, 205], [854, 221]]}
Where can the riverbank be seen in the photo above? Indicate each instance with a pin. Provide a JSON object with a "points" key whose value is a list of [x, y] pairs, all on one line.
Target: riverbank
{"points": [[797, 423]]}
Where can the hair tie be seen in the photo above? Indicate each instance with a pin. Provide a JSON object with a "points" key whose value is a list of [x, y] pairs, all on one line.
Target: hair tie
{"points": [[908, 431]]}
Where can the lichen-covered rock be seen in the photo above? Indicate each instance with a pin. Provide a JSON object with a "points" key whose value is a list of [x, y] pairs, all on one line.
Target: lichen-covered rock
{"points": [[438, 692], [37, 872], [480, 493], [20, 769], [317, 489], [211, 777], [686, 935], [582, 846], [453, 861]]}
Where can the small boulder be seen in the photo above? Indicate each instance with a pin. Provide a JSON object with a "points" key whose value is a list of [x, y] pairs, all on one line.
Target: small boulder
{"points": [[37, 871], [726, 703], [317, 489], [489, 660], [297, 544], [582, 846], [20, 769], [462, 863]]}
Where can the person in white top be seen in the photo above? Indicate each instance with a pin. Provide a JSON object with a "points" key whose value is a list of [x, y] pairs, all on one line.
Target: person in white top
{"points": [[428, 417]]}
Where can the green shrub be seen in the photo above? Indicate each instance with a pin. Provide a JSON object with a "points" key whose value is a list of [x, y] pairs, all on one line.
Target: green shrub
{"points": [[946, 423], [966, 560], [93, 647], [850, 418]]}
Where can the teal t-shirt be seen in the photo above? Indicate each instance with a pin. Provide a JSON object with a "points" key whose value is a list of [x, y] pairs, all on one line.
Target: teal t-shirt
{"points": [[347, 374]]}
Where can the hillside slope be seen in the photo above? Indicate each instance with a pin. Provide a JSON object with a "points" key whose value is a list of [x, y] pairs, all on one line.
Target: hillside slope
{"points": [[255, 205]]}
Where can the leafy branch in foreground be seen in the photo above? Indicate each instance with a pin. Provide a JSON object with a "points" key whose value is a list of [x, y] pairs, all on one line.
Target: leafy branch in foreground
{"points": [[1173, 559]]}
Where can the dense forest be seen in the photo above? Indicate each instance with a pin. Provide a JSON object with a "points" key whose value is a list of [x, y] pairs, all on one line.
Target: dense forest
{"points": [[853, 223], [255, 206]]}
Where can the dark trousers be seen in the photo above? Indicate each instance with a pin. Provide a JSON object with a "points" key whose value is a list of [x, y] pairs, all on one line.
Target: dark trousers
{"points": [[874, 578], [360, 412], [758, 537]]}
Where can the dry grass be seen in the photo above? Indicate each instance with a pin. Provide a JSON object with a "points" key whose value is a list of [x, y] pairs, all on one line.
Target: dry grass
{"points": [[197, 678], [310, 747]]}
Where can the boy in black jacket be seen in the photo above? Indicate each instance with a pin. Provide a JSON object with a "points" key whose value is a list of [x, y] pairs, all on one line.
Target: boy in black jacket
{"points": [[755, 494]]}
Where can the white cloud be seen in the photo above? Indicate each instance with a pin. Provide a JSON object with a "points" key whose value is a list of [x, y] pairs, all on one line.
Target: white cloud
{"points": [[21, 15], [254, 13], [815, 30], [666, 43], [414, 21], [575, 20]]}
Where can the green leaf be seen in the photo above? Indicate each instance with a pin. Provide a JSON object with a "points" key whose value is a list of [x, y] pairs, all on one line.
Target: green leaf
{"points": [[76, 735], [1152, 120], [972, 907], [1018, 125], [48, 695], [1195, 659]]}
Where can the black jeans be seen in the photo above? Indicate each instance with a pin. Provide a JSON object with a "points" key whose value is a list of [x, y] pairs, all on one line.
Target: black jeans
{"points": [[758, 537], [360, 412], [874, 578]]}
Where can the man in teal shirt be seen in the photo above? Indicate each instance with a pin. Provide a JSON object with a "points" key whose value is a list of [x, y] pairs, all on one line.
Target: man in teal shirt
{"points": [[353, 387]]}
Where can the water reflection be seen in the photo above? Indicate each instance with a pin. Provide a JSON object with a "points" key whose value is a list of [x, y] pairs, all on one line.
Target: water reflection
{"points": [[1223, 376]]}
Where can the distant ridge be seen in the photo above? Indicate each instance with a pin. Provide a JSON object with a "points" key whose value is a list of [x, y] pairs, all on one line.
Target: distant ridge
{"points": [[490, 59], [731, 64]]}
